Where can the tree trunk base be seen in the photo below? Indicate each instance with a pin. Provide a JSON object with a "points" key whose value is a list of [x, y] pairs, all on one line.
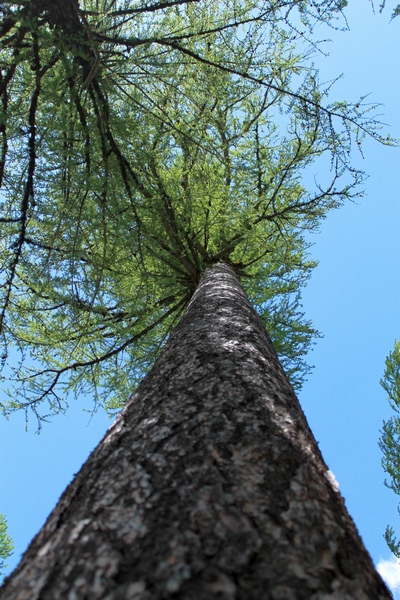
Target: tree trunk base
{"points": [[208, 485]]}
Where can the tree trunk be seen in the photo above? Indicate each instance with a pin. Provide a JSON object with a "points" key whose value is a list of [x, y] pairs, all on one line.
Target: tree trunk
{"points": [[208, 485]]}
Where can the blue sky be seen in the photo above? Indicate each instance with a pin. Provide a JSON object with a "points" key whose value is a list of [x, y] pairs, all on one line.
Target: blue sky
{"points": [[353, 298], [354, 294]]}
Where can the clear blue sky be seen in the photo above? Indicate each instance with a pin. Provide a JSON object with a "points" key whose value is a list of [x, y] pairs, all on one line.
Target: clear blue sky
{"points": [[353, 299], [354, 294]]}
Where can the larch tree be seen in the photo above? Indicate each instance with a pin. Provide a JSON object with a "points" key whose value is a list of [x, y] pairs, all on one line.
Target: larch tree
{"points": [[149, 150], [6, 543], [390, 439]]}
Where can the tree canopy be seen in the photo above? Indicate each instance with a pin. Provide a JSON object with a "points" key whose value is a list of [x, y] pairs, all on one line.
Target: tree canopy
{"points": [[140, 144]]}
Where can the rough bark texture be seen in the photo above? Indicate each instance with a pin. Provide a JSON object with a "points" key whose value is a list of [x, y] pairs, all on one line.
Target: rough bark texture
{"points": [[208, 485]]}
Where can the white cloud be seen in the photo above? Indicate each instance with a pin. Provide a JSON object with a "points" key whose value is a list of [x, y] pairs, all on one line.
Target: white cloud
{"points": [[389, 570]]}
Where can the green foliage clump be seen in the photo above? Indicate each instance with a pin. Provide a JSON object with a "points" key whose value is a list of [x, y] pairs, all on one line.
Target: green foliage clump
{"points": [[6, 543], [395, 12]]}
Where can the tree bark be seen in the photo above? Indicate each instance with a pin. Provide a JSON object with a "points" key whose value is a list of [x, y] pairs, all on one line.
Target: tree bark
{"points": [[208, 485]]}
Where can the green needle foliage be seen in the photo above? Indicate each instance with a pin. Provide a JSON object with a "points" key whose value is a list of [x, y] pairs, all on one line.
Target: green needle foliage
{"points": [[395, 11], [6, 543], [140, 144], [390, 439]]}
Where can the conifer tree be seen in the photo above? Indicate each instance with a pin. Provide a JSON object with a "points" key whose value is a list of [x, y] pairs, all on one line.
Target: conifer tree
{"points": [[390, 439], [151, 154], [6, 543]]}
